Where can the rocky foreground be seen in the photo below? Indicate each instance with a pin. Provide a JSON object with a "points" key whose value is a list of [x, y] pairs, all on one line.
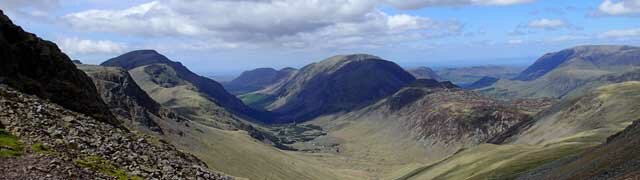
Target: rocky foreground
{"points": [[85, 147]]}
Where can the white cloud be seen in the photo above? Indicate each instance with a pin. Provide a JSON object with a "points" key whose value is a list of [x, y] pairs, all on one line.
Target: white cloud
{"points": [[77, 46], [289, 23], [622, 7], [621, 33], [566, 38], [417, 4], [547, 24], [515, 41]]}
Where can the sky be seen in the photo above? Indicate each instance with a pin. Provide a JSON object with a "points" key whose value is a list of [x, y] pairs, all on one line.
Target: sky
{"points": [[225, 37]]}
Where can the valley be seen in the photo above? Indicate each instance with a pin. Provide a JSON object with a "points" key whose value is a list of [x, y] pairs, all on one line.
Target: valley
{"points": [[143, 114]]}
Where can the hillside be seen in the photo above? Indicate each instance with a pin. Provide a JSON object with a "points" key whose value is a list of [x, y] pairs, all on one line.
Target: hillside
{"points": [[424, 73], [212, 89], [126, 100], [36, 66], [483, 82], [340, 83], [257, 79], [563, 73], [243, 153], [420, 124], [76, 140], [564, 130]]}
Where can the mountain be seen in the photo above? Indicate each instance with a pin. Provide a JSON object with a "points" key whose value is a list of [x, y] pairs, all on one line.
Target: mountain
{"points": [[467, 75], [569, 72], [257, 79], [424, 73], [582, 58], [555, 137], [340, 83], [483, 82], [210, 88], [38, 67], [61, 129], [127, 101], [421, 123]]}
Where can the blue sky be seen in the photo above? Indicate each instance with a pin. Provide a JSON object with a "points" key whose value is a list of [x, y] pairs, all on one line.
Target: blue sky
{"points": [[226, 37]]}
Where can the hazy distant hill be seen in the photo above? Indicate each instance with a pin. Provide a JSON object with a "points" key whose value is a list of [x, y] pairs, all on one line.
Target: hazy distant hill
{"points": [[560, 74], [340, 83], [257, 79], [468, 75], [424, 73]]}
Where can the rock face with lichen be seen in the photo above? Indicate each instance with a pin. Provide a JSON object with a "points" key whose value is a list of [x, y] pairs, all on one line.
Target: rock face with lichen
{"points": [[89, 143], [38, 67]]}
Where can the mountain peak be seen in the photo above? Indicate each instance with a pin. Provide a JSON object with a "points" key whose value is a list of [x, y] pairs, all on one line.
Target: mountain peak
{"points": [[138, 58]]}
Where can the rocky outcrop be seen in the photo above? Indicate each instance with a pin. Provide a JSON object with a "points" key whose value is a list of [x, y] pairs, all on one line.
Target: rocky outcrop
{"points": [[445, 114], [257, 79], [424, 73], [95, 145], [38, 67], [340, 83], [127, 101], [211, 88]]}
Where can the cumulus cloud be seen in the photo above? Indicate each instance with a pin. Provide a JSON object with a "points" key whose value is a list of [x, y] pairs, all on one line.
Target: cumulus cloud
{"points": [[621, 7], [290, 23], [416, 4], [547, 24], [621, 33], [77, 46]]}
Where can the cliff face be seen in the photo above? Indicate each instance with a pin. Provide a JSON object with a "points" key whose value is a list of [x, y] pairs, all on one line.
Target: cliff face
{"points": [[38, 67], [127, 101]]}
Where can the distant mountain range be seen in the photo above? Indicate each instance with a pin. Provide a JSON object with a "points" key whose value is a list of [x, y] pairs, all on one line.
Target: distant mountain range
{"points": [[424, 73], [573, 114], [569, 72]]}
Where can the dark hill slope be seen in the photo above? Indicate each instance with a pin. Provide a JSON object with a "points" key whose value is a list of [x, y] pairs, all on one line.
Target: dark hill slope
{"points": [[340, 83], [207, 86], [38, 67]]}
